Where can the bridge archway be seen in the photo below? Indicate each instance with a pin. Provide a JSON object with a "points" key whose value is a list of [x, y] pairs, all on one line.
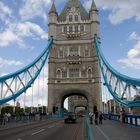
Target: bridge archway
{"points": [[57, 98], [82, 108], [70, 94]]}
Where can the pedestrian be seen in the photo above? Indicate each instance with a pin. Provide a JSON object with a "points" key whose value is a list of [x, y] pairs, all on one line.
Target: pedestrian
{"points": [[100, 118], [96, 117], [0, 119], [9, 117], [4, 118], [123, 115], [91, 117]]}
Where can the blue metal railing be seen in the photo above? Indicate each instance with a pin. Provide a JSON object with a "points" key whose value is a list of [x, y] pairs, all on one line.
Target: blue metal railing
{"points": [[133, 82], [89, 131], [129, 119], [13, 76]]}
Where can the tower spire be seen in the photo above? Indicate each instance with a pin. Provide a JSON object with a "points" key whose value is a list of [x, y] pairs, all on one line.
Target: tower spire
{"points": [[53, 8], [93, 6]]}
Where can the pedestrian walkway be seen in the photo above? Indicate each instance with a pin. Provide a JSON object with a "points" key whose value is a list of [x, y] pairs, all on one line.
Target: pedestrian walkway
{"points": [[112, 130]]}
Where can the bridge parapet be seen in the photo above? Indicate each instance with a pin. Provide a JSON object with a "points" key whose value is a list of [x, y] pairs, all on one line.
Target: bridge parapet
{"points": [[129, 119]]}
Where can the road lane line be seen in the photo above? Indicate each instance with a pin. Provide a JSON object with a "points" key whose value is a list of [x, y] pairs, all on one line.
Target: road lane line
{"points": [[51, 126], [19, 139], [38, 132], [54, 125], [76, 131], [103, 133]]}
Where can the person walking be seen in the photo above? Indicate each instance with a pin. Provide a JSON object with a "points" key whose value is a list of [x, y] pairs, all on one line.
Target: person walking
{"points": [[91, 117], [100, 118], [1, 119], [123, 115], [96, 117]]}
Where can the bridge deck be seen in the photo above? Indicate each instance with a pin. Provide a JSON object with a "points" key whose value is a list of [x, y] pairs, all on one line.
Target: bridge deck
{"points": [[112, 130]]}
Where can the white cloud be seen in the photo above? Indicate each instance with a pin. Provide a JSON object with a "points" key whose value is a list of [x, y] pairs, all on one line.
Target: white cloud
{"points": [[134, 36], [6, 62], [133, 63], [27, 29], [135, 51], [120, 9], [7, 37], [5, 13], [133, 56], [34, 8], [18, 31]]}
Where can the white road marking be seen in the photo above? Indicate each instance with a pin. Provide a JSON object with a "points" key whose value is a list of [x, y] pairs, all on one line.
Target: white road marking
{"points": [[53, 125], [38, 132], [103, 133], [19, 139]]}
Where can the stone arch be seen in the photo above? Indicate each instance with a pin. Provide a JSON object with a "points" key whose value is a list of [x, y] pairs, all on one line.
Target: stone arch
{"points": [[71, 92], [89, 72], [59, 73]]}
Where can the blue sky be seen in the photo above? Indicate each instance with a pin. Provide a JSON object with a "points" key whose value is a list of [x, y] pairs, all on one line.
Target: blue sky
{"points": [[23, 32]]}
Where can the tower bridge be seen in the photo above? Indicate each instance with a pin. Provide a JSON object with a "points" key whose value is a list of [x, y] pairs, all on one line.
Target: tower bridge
{"points": [[73, 63], [76, 67]]}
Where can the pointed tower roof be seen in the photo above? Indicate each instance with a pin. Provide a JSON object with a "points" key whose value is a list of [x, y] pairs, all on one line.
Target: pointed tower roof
{"points": [[73, 3], [53, 8], [93, 6]]}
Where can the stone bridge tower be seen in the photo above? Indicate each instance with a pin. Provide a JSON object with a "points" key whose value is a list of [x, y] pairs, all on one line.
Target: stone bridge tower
{"points": [[73, 63]]}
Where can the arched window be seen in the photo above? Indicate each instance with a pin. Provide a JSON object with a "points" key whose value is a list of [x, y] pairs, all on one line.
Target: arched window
{"points": [[82, 28], [70, 18], [58, 73], [87, 52], [65, 29], [89, 72], [60, 53], [64, 73], [70, 29], [76, 17], [76, 28]]}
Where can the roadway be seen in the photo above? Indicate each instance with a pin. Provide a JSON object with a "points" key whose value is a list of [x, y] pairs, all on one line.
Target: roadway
{"points": [[44, 130]]}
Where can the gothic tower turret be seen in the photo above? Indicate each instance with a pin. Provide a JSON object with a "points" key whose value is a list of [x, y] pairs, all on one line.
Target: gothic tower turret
{"points": [[94, 19], [53, 16]]}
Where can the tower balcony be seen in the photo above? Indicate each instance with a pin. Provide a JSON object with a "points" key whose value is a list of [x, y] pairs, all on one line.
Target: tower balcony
{"points": [[73, 34], [74, 59]]}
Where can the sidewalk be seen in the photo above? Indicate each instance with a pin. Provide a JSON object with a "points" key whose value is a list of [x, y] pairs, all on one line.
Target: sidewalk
{"points": [[112, 130]]}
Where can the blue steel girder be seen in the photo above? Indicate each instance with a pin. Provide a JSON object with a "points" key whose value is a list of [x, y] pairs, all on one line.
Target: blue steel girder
{"points": [[124, 89], [14, 84]]}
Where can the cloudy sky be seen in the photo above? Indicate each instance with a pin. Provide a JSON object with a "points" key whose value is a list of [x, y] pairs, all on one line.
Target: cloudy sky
{"points": [[24, 33]]}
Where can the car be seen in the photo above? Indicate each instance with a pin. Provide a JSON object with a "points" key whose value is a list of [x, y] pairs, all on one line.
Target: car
{"points": [[71, 117], [80, 114]]}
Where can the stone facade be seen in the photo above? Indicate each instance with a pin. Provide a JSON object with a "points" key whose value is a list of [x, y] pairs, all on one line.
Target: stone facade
{"points": [[73, 63], [75, 102]]}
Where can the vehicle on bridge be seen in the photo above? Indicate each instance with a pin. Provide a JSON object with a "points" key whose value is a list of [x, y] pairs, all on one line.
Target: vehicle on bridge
{"points": [[71, 117]]}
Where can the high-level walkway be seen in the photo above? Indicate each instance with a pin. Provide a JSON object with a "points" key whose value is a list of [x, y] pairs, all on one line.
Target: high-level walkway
{"points": [[113, 130]]}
